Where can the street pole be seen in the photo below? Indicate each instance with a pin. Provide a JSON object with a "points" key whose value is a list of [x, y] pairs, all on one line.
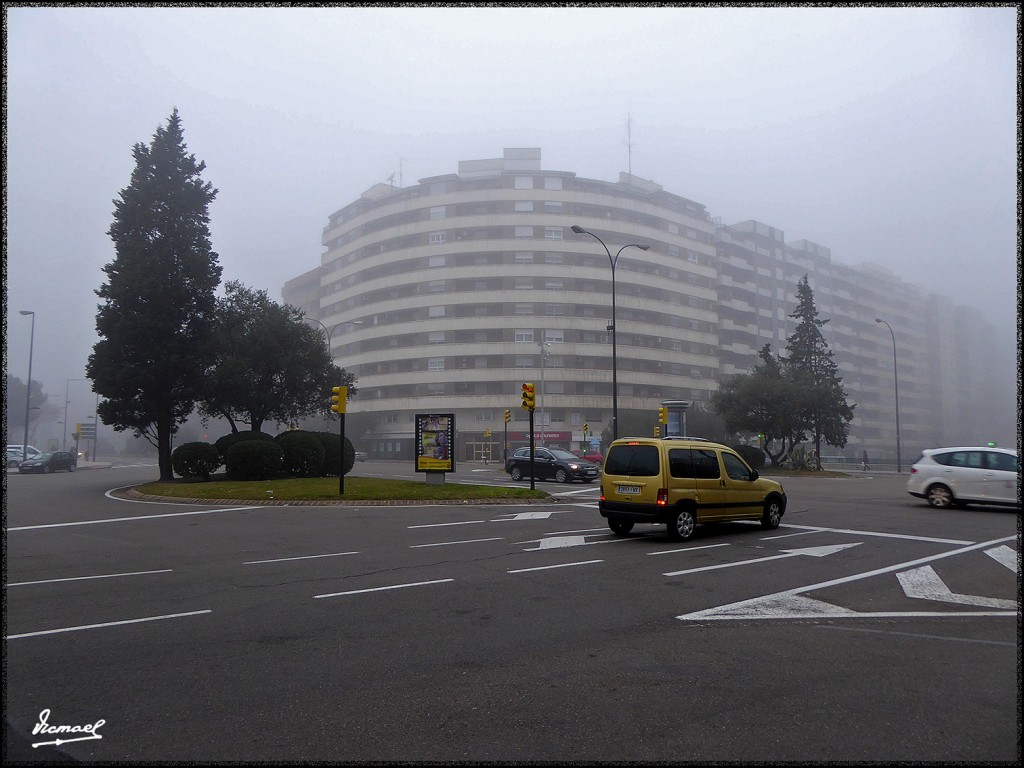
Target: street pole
{"points": [[615, 374], [28, 384], [896, 382]]}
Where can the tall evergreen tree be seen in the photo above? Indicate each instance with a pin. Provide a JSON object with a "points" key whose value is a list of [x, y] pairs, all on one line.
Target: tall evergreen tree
{"points": [[158, 301], [811, 366]]}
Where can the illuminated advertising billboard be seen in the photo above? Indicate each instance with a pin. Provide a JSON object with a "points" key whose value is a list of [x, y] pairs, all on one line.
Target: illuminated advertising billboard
{"points": [[435, 442]]}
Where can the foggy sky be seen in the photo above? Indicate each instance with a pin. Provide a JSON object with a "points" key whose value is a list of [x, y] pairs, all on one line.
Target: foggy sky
{"points": [[888, 135]]}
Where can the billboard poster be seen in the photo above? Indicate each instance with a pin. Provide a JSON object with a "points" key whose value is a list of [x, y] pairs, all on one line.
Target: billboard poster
{"points": [[435, 438]]}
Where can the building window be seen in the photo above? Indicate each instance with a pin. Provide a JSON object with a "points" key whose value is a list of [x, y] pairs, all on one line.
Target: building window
{"points": [[436, 238], [524, 182], [437, 261], [523, 233], [552, 182], [435, 364], [553, 258], [552, 233], [524, 257], [557, 336], [436, 286], [553, 206], [554, 310], [524, 362], [435, 312], [436, 337], [524, 309], [524, 282], [437, 212], [524, 334], [553, 283], [524, 206]]}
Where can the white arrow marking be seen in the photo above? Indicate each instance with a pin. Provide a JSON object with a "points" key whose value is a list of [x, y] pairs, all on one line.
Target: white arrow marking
{"points": [[812, 551], [524, 516], [559, 542], [925, 583]]}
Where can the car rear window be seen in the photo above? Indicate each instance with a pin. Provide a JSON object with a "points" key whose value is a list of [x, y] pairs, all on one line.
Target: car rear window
{"points": [[639, 460]]}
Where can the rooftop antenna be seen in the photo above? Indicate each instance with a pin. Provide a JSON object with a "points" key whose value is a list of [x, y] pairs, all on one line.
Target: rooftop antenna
{"points": [[391, 179], [400, 159]]}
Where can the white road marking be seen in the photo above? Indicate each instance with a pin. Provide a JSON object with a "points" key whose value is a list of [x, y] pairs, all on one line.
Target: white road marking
{"points": [[106, 624], [880, 534], [812, 551], [1005, 556], [560, 542], [127, 519], [525, 516], [925, 583], [446, 543], [442, 525], [687, 549], [781, 605], [85, 578], [560, 565], [303, 557], [381, 589]]}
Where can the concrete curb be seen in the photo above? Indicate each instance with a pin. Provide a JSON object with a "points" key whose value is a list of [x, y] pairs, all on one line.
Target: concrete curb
{"points": [[133, 495]]}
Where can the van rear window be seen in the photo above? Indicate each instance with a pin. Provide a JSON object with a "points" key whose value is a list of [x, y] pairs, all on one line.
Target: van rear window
{"points": [[637, 460]]}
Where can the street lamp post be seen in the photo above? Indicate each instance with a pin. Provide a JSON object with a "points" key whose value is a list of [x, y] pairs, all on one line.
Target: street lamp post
{"points": [[615, 382], [896, 381], [28, 384]]}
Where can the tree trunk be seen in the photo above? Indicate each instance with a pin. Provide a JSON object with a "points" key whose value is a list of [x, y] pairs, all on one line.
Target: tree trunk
{"points": [[163, 440]]}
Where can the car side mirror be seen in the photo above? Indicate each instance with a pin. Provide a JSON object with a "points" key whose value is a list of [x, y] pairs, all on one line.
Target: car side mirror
{"points": [[753, 475]]}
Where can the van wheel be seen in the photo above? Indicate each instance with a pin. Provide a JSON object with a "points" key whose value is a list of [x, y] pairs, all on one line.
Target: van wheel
{"points": [[516, 473], [620, 526], [561, 476], [772, 514], [681, 526]]}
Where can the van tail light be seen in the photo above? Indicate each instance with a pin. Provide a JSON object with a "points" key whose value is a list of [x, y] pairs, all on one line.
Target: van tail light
{"points": [[662, 497], [602, 493]]}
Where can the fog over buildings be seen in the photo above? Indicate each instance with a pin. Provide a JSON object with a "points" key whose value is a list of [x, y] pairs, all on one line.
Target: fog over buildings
{"points": [[888, 136]]}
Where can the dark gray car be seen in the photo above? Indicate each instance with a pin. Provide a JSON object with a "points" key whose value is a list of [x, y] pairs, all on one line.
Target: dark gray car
{"points": [[551, 464]]}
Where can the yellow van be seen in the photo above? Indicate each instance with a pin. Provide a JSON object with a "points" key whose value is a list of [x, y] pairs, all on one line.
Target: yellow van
{"points": [[683, 481]]}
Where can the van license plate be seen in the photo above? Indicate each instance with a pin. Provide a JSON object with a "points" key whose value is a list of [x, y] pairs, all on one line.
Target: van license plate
{"points": [[628, 489]]}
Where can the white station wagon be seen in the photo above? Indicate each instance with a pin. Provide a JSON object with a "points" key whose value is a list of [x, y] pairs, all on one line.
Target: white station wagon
{"points": [[956, 477]]}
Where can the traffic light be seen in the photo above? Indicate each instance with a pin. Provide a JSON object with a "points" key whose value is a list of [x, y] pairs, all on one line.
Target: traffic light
{"points": [[338, 399], [586, 428], [487, 432], [529, 396], [657, 431], [508, 415], [663, 415]]}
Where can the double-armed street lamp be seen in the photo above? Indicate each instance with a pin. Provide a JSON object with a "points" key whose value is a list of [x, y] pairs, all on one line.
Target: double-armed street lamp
{"points": [[28, 384], [615, 383], [896, 381]]}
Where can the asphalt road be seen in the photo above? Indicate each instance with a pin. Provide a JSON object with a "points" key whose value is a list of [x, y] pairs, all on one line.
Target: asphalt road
{"points": [[868, 627]]}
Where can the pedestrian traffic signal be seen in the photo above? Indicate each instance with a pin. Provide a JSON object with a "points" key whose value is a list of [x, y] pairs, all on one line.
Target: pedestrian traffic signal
{"points": [[338, 399], [508, 415], [529, 396], [663, 415]]}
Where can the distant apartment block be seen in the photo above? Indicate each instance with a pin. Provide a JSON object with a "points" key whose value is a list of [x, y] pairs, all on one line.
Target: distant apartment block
{"points": [[446, 295]]}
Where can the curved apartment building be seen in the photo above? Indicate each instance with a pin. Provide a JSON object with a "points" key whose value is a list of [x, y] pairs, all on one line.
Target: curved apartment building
{"points": [[445, 296]]}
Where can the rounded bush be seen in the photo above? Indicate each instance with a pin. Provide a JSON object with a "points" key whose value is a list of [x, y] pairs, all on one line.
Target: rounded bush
{"points": [[254, 460], [303, 453], [195, 460], [231, 438], [751, 454], [332, 453]]}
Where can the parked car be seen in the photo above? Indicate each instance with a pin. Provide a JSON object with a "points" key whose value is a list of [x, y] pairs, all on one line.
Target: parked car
{"points": [[594, 457], [680, 482], [49, 462], [966, 475], [29, 450], [361, 456], [551, 464], [14, 457]]}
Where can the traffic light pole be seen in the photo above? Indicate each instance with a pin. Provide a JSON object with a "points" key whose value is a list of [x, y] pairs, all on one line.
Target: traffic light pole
{"points": [[341, 467], [533, 485]]}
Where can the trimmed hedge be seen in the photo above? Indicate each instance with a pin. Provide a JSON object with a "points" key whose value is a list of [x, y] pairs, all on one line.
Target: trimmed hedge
{"points": [[303, 453], [195, 460], [254, 459], [231, 438]]}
